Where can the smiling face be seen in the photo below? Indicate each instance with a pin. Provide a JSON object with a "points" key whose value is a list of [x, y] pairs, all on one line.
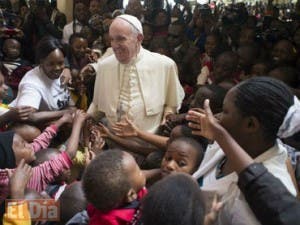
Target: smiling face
{"points": [[22, 150], [53, 64], [180, 157], [79, 47], [124, 41], [11, 48]]}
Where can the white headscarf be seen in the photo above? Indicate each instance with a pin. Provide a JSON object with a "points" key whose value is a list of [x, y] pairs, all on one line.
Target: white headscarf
{"points": [[291, 122]]}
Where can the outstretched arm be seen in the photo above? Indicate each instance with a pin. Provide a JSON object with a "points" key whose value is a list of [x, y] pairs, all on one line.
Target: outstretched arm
{"points": [[134, 146], [128, 129], [73, 141], [268, 198]]}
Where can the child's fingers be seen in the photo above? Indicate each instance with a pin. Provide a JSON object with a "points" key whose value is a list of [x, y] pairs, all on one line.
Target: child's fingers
{"points": [[194, 126], [207, 109]]}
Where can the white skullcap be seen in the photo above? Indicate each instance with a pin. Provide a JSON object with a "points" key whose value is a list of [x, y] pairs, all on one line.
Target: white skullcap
{"points": [[133, 21]]}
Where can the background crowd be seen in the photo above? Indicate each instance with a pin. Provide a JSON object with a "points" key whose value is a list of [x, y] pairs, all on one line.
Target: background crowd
{"points": [[244, 58]]}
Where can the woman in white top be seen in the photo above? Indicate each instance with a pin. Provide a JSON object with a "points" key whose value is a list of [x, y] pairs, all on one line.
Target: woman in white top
{"points": [[255, 113], [42, 87]]}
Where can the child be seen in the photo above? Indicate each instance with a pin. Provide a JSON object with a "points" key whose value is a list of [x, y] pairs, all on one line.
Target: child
{"points": [[72, 201], [14, 67], [175, 199], [183, 154], [58, 185], [211, 46], [113, 185], [14, 148]]}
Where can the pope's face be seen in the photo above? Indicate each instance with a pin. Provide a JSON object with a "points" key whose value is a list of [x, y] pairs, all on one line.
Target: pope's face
{"points": [[124, 41]]}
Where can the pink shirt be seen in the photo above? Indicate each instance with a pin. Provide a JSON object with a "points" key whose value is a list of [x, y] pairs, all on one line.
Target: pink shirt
{"points": [[43, 174]]}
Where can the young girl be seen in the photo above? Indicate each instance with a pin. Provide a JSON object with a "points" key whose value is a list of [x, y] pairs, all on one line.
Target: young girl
{"points": [[14, 148], [183, 154], [14, 67], [211, 46], [255, 113]]}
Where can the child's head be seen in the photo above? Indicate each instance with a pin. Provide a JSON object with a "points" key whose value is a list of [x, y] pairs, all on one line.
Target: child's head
{"points": [[259, 69], [148, 34], [214, 93], [211, 44], [286, 74], [175, 34], [13, 148], [48, 154], [247, 36], [112, 179], [11, 48], [184, 154], [160, 45], [284, 53], [176, 199], [247, 56], [72, 201], [78, 45], [225, 66]]}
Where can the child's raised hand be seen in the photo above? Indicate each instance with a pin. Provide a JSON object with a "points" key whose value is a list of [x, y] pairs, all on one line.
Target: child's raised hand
{"points": [[211, 217], [104, 131], [89, 155], [125, 128], [67, 118], [80, 116], [19, 179], [203, 122], [97, 142]]}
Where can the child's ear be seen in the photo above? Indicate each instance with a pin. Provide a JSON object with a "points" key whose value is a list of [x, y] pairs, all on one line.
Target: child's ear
{"points": [[252, 124], [131, 195]]}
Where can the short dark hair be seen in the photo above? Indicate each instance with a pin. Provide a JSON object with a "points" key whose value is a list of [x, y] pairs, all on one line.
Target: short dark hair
{"points": [[45, 46], [176, 199], [267, 99], [105, 183], [76, 35], [199, 147], [72, 201]]}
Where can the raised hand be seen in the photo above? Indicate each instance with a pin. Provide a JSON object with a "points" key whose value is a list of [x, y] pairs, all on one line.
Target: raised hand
{"points": [[203, 122], [125, 128], [104, 131], [19, 179], [96, 141], [211, 217], [80, 116], [86, 72]]}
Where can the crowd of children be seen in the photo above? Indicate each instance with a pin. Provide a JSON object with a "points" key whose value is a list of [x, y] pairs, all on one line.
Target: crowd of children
{"points": [[230, 155]]}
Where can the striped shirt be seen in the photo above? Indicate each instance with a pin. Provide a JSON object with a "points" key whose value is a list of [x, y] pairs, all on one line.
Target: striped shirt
{"points": [[43, 174]]}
